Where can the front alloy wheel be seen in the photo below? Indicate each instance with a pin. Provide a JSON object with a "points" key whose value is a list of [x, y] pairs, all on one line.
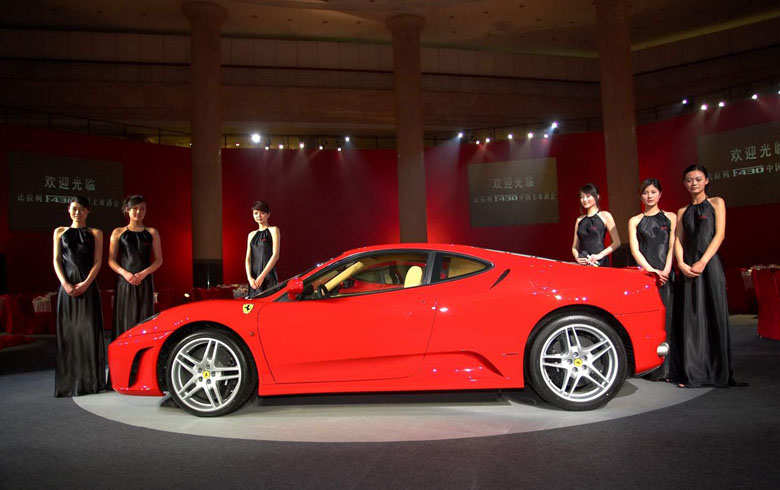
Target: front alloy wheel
{"points": [[577, 362], [208, 374]]}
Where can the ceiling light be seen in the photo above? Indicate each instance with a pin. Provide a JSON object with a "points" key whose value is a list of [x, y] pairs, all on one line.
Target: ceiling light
{"points": [[460, 135], [346, 138], [704, 107], [530, 135], [255, 138], [754, 96], [510, 136], [281, 146], [722, 104], [684, 101], [300, 145], [554, 125], [487, 140]]}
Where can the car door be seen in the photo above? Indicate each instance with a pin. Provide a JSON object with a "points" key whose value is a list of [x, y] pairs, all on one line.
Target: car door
{"points": [[373, 321]]}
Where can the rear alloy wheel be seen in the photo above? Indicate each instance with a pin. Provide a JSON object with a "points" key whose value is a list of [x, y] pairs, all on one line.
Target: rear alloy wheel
{"points": [[577, 362], [210, 374]]}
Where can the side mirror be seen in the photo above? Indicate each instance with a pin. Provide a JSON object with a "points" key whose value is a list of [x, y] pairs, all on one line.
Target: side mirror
{"points": [[294, 288]]}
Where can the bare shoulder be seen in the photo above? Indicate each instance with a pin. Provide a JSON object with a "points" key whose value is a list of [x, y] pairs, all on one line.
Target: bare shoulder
{"points": [[634, 220], [59, 231], [682, 210], [153, 232], [717, 202], [670, 215], [97, 233], [251, 234], [606, 216], [117, 232], [274, 229]]}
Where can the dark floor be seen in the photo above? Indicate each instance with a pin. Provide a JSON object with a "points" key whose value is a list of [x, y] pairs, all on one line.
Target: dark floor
{"points": [[727, 438]]}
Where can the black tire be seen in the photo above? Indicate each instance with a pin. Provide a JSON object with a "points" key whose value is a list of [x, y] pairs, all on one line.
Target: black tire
{"points": [[210, 373], [577, 362]]}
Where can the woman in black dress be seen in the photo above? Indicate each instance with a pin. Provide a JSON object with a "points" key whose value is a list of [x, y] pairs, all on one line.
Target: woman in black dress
{"points": [[704, 346], [590, 230], [130, 255], [81, 365], [262, 251], [651, 237]]}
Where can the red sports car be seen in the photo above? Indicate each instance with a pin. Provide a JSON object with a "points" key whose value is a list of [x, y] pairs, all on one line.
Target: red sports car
{"points": [[405, 317]]}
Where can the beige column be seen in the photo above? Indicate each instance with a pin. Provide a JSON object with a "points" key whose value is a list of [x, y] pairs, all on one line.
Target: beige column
{"points": [[205, 82], [409, 126], [617, 102]]}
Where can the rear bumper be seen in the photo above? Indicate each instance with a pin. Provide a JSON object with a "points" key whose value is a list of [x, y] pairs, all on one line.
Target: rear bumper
{"points": [[648, 334]]}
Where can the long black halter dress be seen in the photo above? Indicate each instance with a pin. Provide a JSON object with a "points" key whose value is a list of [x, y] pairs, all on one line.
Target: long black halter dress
{"points": [[81, 365], [703, 329], [591, 232], [133, 304], [652, 233], [261, 249]]}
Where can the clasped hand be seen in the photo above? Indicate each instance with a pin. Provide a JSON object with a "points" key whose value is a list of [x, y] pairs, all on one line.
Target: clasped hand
{"points": [[134, 279]]}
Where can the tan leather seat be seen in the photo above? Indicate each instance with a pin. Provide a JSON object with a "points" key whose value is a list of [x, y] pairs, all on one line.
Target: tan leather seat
{"points": [[413, 277]]}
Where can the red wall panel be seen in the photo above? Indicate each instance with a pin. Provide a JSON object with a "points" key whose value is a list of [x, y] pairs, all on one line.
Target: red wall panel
{"points": [[324, 202], [580, 160], [160, 173], [667, 147]]}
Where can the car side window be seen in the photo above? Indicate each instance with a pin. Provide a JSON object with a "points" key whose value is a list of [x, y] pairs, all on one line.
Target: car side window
{"points": [[369, 274], [454, 266]]}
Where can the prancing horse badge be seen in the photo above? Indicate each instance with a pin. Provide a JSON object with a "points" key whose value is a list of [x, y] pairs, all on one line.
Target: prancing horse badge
{"points": [[247, 308]]}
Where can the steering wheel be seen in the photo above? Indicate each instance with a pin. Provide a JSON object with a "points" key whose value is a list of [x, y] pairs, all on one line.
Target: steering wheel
{"points": [[322, 291]]}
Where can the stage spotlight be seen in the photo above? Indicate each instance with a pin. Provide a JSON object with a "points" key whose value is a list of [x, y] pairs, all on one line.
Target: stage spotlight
{"points": [[510, 136], [281, 146], [487, 140], [530, 135], [554, 125], [546, 136], [704, 107], [339, 148], [754, 96], [267, 147], [238, 144], [255, 138], [320, 147], [460, 135], [346, 138], [685, 102], [301, 145], [722, 104], [478, 142]]}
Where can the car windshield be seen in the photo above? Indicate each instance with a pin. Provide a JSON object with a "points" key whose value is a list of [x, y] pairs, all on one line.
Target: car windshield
{"points": [[279, 286]]}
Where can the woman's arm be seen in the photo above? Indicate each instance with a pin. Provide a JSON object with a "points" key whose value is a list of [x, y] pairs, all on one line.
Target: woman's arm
{"points": [[672, 232], [576, 245], [678, 247], [158, 259], [720, 233], [97, 260], [57, 260], [276, 237], [113, 252], [633, 243], [248, 261], [609, 222]]}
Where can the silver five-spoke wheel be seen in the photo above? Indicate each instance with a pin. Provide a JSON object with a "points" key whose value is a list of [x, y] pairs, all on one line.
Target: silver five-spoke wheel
{"points": [[208, 374], [577, 362]]}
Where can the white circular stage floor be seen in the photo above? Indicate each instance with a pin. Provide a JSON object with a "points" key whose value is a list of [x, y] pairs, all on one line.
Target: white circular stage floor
{"points": [[384, 417]]}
